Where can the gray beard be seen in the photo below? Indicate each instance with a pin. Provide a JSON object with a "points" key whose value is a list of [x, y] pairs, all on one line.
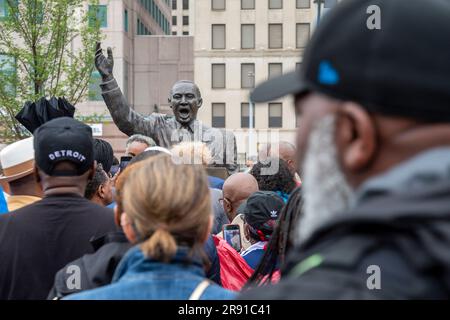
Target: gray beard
{"points": [[326, 192]]}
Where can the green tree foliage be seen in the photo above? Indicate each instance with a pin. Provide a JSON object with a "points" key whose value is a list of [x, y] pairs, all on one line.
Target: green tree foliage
{"points": [[38, 56]]}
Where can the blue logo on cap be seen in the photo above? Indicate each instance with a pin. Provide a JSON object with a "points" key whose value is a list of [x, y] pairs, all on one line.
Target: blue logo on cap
{"points": [[328, 74]]}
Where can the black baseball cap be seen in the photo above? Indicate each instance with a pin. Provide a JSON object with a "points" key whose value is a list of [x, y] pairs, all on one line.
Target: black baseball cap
{"points": [[64, 139], [401, 69], [261, 211]]}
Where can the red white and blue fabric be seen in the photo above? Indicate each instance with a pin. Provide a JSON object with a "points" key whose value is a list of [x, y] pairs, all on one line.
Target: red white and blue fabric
{"points": [[254, 254]]}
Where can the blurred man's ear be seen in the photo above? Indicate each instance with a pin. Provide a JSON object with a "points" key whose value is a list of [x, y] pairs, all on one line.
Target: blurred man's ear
{"points": [[292, 165], [200, 102], [100, 192], [356, 137], [227, 207]]}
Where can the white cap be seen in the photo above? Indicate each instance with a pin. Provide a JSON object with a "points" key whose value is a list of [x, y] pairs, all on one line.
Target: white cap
{"points": [[17, 160]]}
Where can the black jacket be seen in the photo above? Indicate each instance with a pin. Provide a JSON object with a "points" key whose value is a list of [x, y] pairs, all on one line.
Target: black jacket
{"points": [[96, 269], [406, 235], [38, 240]]}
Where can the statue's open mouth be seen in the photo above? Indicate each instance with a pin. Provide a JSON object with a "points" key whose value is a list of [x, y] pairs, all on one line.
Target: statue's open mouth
{"points": [[184, 113]]}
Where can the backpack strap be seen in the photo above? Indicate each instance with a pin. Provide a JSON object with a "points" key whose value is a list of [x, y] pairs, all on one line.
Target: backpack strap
{"points": [[199, 290]]}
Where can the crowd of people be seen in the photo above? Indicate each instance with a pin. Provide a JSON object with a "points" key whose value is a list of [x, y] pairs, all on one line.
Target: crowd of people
{"points": [[167, 212], [358, 208]]}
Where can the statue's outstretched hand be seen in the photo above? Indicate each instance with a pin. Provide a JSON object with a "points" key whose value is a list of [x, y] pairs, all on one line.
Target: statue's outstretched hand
{"points": [[104, 64]]}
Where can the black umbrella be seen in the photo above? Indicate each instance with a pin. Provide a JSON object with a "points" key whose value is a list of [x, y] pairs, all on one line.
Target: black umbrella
{"points": [[35, 114]]}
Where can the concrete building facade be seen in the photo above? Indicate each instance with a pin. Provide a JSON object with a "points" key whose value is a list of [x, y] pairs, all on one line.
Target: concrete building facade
{"points": [[238, 44], [226, 46], [182, 25]]}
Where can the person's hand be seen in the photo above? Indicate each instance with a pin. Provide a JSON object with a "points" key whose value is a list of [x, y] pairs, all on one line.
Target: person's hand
{"points": [[104, 65]]}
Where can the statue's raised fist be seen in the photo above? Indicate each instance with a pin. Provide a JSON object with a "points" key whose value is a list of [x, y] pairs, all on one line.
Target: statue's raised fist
{"points": [[104, 64]]}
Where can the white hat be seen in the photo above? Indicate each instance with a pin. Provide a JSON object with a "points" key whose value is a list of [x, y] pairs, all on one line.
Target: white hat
{"points": [[17, 160]]}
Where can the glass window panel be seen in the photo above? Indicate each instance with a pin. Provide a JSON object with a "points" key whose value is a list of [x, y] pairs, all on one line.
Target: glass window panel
{"points": [[248, 75], [218, 76], [275, 70], [247, 4], [275, 36], [303, 30], [303, 4], [218, 36], [218, 5], [275, 4], [248, 36]]}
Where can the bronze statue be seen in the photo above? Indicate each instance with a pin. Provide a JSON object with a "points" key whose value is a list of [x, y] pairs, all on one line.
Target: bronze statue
{"points": [[185, 100]]}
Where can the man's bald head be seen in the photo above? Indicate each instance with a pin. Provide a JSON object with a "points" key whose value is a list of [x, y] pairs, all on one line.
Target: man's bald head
{"points": [[287, 150], [236, 189], [283, 150]]}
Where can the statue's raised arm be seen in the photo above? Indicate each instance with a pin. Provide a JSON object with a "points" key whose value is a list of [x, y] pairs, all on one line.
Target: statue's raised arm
{"points": [[127, 120], [185, 100], [104, 65]]}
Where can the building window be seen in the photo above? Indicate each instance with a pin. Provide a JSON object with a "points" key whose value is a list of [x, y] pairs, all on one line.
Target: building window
{"points": [[185, 33], [125, 20], [218, 115], [38, 14], [303, 4], [275, 36], [247, 75], [7, 73], [98, 14], [95, 93], [174, 33], [141, 29], [218, 36], [302, 35], [185, 20], [174, 4], [174, 20], [245, 115], [275, 4], [3, 9], [247, 4], [155, 12], [275, 115], [248, 36], [218, 4], [185, 4], [275, 70], [218, 76]]}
